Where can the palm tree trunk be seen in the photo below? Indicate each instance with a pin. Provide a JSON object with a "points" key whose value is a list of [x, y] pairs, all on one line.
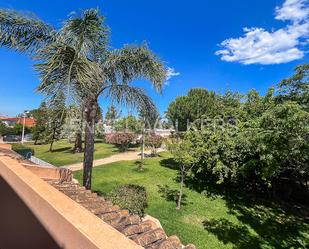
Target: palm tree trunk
{"points": [[90, 116]]}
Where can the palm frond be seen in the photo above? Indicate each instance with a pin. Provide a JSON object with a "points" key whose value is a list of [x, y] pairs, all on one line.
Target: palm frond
{"points": [[86, 34], [132, 62], [62, 69], [131, 96], [23, 32]]}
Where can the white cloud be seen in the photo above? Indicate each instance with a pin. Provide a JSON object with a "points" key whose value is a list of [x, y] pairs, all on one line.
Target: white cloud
{"points": [[171, 73], [259, 46], [293, 10]]}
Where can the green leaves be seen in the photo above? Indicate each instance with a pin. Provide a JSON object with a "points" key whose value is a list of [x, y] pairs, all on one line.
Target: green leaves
{"points": [[266, 139], [128, 124], [184, 152], [202, 105], [283, 140], [296, 88]]}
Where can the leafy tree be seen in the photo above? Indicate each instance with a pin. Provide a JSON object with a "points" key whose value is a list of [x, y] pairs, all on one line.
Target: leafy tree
{"points": [[15, 130], [201, 104], [148, 118], [215, 145], [112, 115], [278, 144], [255, 104], [56, 120], [185, 154], [128, 124], [41, 117], [77, 57], [3, 128], [73, 127], [18, 129], [296, 88]]}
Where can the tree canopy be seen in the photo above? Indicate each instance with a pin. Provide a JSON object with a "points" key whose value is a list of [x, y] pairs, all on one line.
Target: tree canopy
{"points": [[257, 142], [77, 60]]}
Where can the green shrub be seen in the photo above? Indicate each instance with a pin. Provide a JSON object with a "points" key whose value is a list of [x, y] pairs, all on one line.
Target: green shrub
{"points": [[131, 197], [23, 150]]}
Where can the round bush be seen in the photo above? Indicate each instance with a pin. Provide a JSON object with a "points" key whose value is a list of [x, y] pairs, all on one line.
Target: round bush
{"points": [[131, 197]]}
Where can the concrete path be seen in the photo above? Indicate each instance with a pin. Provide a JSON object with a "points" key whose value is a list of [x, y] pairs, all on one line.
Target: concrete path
{"points": [[124, 156]]}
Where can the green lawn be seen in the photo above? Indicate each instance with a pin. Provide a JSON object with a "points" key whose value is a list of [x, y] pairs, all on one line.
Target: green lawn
{"points": [[62, 152], [208, 219]]}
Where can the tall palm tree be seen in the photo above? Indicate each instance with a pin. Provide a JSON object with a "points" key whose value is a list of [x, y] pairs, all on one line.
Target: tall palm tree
{"points": [[77, 60]]}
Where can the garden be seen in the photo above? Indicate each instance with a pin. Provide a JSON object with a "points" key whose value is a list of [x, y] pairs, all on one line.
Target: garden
{"points": [[234, 173], [210, 217]]}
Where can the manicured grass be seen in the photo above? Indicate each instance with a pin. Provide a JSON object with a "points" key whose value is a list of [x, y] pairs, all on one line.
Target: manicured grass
{"points": [[62, 152], [208, 219]]}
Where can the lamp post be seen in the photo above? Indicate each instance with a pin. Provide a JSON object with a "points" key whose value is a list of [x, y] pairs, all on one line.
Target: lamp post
{"points": [[24, 122]]}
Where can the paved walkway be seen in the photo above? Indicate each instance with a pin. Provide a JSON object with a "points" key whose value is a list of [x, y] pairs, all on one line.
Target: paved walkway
{"points": [[124, 156]]}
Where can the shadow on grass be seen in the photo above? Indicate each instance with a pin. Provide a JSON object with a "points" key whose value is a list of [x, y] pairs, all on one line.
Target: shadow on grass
{"points": [[228, 232], [140, 167], [67, 149], [169, 163], [171, 194], [263, 224]]}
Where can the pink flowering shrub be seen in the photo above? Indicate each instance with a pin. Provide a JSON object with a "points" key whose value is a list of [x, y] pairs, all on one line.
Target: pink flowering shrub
{"points": [[153, 141], [122, 139]]}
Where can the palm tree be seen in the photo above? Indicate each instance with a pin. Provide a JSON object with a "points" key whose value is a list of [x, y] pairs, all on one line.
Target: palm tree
{"points": [[77, 60]]}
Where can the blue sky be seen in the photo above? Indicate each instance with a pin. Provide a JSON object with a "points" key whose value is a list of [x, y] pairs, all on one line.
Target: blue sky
{"points": [[187, 36]]}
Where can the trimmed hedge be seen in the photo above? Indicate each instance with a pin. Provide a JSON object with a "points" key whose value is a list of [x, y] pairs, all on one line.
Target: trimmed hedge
{"points": [[22, 150]]}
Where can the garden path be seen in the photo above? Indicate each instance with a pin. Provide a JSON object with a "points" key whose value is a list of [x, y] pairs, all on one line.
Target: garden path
{"points": [[124, 156]]}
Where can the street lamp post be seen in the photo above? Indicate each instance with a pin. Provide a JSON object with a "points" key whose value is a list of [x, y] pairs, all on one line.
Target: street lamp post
{"points": [[24, 123]]}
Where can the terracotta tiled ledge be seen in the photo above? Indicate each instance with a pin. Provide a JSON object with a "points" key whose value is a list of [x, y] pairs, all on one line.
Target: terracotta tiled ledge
{"points": [[71, 225]]}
